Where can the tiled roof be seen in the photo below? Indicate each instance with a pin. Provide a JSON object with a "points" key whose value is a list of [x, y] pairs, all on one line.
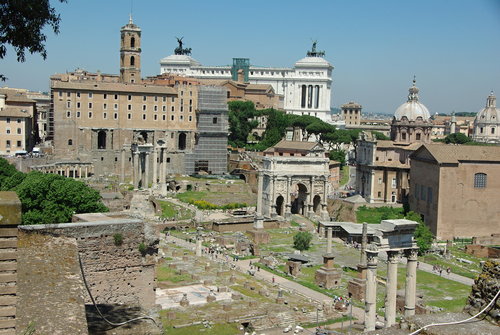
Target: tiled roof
{"points": [[451, 153], [114, 87], [13, 112]]}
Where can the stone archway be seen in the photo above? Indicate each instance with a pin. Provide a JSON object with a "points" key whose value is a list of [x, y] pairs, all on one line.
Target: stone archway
{"points": [[317, 204], [299, 199], [279, 205]]}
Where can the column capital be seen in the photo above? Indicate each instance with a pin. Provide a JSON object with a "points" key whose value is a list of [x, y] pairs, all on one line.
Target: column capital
{"points": [[371, 258], [411, 254], [393, 256]]}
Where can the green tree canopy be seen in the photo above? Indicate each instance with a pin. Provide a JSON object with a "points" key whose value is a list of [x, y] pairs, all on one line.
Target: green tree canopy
{"points": [[379, 136], [338, 155], [302, 240], [457, 138], [22, 25], [49, 198]]}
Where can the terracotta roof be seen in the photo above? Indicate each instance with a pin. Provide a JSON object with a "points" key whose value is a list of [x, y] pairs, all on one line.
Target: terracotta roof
{"points": [[14, 112], [450, 153], [297, 145]]}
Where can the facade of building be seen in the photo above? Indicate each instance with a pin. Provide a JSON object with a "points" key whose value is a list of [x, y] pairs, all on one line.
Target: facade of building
{"points": [[382, 169], [351, 114], [412, 120], [487, 122], [294, 180], [17, 120], [455, 188], [306, 87], [210, 151], [118, 123]]}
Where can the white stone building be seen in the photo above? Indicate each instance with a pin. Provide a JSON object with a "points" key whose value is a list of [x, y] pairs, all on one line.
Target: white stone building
{"points": [[487, 122], [306, 86]]}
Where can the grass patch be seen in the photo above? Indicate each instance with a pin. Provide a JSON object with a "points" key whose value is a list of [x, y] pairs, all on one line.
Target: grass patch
{"points": [[164, 273], [294, 224], [170, 210], [197, 198], [344, 175], [327, 322], [377, 214], [461, 270]]}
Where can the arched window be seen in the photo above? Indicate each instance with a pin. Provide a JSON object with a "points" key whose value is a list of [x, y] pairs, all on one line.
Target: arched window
{"points": [[132, 42], [182, 141], [70, 142], [480, 180], [101, 139], [132, 61]]}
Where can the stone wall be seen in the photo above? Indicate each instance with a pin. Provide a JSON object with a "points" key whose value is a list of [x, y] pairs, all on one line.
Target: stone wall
{"points": [[484, 290], [482, 251], [116, 273]]}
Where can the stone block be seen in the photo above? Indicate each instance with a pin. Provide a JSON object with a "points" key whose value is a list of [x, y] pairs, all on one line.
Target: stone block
{"points": [[10, 209], [259, 236], [222, 289], [236, 296], [226, 307], [327, 278], [357, 288]]}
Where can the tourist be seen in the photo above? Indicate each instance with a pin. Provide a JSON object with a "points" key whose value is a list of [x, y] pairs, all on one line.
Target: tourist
{"points": [[273, 280], [448, 270]]}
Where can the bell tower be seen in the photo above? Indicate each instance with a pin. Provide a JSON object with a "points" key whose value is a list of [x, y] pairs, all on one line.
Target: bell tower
{"points": [[130, 53]]}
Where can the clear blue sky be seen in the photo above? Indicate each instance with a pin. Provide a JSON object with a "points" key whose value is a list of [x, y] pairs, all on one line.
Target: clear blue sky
{"points": [[453, 47]]}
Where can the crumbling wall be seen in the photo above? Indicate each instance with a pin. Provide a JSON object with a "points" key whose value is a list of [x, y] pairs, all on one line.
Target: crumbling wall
{"points": [[341, 211], [114, 267], [484, 290]]}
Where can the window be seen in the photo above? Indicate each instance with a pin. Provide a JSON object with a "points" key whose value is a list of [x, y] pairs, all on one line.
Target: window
{"points": [[155, 117], [155, 108], [115, 107], [8, 120], [68, 114], [7, 143], [163, 117], [104, 115], [105, 106], [115, 116], [172, 117], [132, 61], [143, 107], [90, 115], [129, 116], [90, 95], [70, 142], [132, 42], [480, 180], [19, 131], [77, 94], [164, 99], [60, 94], [77, 105], [190, 118], [173, 99], [214, 120], [156, 98], [492, 130], [379, 194], [403, 136], [68, 94], [481, 130], [129, 107], [172, 109], [144, 116], [77, 114], [116, 96], [181, 117], [68, 104], [19, 144], [380, 181], [164, 108], [144, 98], [90, 105], [129, 97], [393, 182], [105, 96]]}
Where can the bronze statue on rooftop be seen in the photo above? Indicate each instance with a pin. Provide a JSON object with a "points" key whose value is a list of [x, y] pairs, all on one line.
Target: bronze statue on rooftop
{"points": [[313, 52], [179, 50]]}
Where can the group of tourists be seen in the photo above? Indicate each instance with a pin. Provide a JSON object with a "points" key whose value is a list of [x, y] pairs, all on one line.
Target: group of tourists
{"points": [[439, 269]]}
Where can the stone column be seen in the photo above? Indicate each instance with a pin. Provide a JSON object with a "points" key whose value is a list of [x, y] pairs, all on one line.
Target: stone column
{"points": [[198, 247], [163, 171], [146, 170], [122, 166], [411, 281], [288, 205], [371, 290], [329, 233], [259, 222], [86, 172], [310, 205], [272, 203], [135, 169], [392, 286], [139, 170], [324, 201], [155, 167], [79, 172]]}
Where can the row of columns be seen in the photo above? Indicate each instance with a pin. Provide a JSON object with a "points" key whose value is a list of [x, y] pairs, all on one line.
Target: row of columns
{"points": [[73, 171], [141, 162], [391, 288]]}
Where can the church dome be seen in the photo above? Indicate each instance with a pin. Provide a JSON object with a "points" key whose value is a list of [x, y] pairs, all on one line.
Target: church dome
{"points": [[490, 114], [412, 109]]}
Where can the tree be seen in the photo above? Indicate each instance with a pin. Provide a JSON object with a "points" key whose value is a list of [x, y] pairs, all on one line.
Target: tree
{"points": [[301, 240], [338, 155], [240, 121], [379, 136], [457, 138], [424, 238], [22, 24]]}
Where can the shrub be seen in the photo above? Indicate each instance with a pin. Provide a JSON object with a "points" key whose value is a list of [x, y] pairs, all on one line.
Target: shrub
{"points": [[142, 248], [118, 239], [302, 240]]}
